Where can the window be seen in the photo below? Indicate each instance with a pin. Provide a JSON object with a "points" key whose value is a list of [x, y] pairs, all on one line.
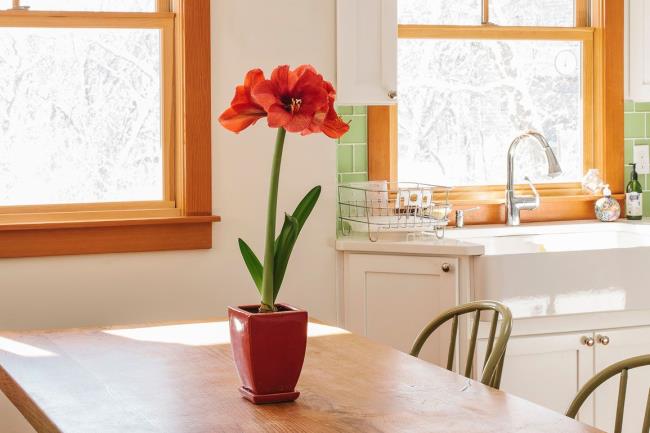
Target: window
{"points": [[472, 74], [81, 116], [463, 100], [92, 125]]}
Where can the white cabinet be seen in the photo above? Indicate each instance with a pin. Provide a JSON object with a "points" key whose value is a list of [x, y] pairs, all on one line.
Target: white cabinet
{"points": [[550, 369], [366, 52], [546, 369], [639, 50], [390, 298], [622, 344]]}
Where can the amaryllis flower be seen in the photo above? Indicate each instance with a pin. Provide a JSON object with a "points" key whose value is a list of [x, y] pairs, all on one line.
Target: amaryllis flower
{"points": [[300, 101], [244, 111]]}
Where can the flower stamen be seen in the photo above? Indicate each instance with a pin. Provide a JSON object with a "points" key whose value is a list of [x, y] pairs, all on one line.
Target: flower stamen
{"points": [[294, 105]]}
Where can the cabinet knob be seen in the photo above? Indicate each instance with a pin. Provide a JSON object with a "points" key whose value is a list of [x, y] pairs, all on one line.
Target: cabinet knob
{"points": [[392, 94], [446, 267], [602, 339], [587, 341]]}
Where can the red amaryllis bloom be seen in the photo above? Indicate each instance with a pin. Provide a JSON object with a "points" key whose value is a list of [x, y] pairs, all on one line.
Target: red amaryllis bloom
{"points": [[329, 123], [299, 101], [244, 111]]}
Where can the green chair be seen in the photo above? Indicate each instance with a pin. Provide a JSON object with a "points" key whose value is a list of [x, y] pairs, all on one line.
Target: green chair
{"points": [[496, 349], [621, 368]]}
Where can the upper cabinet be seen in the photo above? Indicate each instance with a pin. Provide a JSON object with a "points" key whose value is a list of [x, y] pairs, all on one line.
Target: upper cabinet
{"points": [[638, 34], [366, 52]]}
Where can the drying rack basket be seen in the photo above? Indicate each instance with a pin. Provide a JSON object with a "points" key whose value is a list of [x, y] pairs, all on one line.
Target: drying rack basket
{"points": [[381, 206]]}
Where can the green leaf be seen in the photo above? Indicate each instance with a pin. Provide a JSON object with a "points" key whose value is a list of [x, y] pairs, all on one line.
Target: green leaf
{"points": [[252, 263], [304, 208], [291, 228], [283, 247]]}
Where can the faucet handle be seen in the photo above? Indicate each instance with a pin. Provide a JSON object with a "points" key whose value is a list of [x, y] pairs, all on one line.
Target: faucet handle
{"points": [[460, 216]]}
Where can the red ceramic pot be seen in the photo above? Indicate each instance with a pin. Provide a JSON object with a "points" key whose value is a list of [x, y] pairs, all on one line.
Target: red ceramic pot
{"points": [[269, 349]]}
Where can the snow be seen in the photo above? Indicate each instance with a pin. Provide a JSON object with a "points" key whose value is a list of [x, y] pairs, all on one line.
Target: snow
{"points": [[463, 101], [80, 115]]}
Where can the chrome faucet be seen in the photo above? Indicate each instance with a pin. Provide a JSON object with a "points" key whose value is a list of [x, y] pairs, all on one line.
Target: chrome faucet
{"points": [[515, 204]]}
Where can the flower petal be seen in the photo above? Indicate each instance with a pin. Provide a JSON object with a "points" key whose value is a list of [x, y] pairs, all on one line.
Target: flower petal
{"points": [[243, 111], [266, 94], [278, 116], [298, 123], [280, 77], [253, 77], [334, 126], [238, 120]]}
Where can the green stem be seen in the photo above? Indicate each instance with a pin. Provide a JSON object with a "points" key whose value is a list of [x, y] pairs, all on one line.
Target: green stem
{"points": [[269, 247]]}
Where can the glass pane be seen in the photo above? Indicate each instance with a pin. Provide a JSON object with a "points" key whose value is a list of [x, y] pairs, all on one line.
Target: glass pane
{"points": [[462, 102], [457, 12], [80, 115], [86, 5], [551, 13]]}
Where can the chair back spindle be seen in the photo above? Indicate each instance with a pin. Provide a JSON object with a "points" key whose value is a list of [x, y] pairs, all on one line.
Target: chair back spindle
{"points": [[621, 368], [496, 345]]}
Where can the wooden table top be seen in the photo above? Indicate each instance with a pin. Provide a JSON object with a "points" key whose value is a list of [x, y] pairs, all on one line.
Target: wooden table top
{"points": [[181, 379]]}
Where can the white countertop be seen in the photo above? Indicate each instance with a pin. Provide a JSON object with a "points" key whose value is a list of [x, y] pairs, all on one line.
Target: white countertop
{"points": [[402, 243], [479, 239]]}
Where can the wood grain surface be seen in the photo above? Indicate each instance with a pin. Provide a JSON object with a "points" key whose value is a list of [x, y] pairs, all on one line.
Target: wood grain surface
{"points": [[181, 379]]}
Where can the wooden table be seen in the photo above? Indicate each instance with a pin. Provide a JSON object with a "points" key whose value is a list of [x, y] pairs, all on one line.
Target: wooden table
{"points": [[181, 379]]}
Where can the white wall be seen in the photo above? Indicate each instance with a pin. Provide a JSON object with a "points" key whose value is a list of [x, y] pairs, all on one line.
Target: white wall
{"points": [[154, 287]]}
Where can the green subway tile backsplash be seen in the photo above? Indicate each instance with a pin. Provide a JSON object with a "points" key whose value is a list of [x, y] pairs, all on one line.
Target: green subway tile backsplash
{"points": [[352, 148], [642, 107], [362, 109], [360, 158], [629, 151], [635, 125], [358, 132], [646, 203], [345, 110], [345, 158], [353, 177], [637, 133]]}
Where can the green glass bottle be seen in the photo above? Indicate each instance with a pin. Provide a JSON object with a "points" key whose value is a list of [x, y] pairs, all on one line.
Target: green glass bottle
{"points": [[634, 197]]}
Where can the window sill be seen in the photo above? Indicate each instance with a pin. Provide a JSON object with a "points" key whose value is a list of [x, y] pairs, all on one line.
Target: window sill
{"points": [[56, 238], [552, 208], [545, 198]]}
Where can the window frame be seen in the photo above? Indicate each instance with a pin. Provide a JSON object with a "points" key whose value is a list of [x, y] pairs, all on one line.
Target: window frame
{"points": [[183, 218], [603, 115]]}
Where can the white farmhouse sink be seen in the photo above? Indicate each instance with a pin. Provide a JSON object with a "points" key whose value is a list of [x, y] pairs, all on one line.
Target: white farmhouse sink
{"points": [[563, 268]]}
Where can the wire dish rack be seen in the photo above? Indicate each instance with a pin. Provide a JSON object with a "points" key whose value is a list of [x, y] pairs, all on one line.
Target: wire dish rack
{"points": [[381, 206]]}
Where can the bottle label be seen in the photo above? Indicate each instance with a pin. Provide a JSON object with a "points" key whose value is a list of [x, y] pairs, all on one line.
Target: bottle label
{"points": [[633, 204]]}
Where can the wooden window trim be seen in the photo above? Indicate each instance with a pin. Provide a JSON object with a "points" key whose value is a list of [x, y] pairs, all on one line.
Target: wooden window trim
{"points": [[183, 220], [560, 202]]}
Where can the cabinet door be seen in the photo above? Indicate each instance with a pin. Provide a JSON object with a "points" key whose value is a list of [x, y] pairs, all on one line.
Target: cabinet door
{"points": [[622, 344], [366, 52], [546, 369], [639, 46], [390, 298]]}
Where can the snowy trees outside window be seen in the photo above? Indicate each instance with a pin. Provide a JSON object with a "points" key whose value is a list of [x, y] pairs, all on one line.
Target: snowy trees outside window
{"points": [[462, 101], [80, 114]]}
